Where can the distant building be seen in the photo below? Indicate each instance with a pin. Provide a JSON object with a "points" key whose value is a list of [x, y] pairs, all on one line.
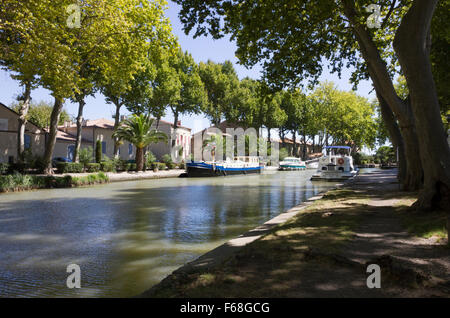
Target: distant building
{"points": [[93, 130], [35, 137], [287, 142], [102, 129]]}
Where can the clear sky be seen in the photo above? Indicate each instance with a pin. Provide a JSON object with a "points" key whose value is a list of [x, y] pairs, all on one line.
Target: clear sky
{"points": [[202, 49]]}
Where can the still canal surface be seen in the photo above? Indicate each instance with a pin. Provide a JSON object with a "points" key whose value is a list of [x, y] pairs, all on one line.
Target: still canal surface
{"points": [[127, 236]]}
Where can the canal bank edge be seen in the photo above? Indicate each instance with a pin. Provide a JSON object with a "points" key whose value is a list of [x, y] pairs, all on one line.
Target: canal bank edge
{"points": [[20, 183], [221, 253]]}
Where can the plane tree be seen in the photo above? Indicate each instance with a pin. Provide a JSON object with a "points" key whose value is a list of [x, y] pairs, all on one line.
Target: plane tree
{"points": [[292, 39]]}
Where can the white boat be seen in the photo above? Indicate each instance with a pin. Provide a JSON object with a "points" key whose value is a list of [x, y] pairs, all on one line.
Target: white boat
{"points": [[312, 165], [336, 165], [292, 163]]}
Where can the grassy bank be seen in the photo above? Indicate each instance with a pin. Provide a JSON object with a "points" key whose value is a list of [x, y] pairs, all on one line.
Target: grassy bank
{"points": [[422, 224], [20, 182]]}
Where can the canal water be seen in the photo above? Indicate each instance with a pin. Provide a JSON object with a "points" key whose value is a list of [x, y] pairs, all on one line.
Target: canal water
{"points": [[127, 236]]}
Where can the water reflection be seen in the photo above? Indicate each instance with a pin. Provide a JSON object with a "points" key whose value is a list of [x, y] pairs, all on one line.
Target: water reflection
{"points": [[128, 236]]}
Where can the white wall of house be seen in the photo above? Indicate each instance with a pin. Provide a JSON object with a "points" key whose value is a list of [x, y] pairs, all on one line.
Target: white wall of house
{"points": [[9, 124]]}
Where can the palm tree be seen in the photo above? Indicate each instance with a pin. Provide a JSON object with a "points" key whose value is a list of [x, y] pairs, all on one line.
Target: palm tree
{"points": [[137, 130]]}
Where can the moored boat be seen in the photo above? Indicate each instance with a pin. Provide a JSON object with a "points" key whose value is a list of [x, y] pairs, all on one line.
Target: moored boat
{"points": [[335, 166], [292, 163], [240, 165]]}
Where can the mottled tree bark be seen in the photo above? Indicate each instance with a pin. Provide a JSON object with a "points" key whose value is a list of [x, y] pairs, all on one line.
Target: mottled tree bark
{"points": [[139, 159], [54, 119], [81, 104], [383, 84], [412, 47], [396, 138], [23, 111], [116, 125]]}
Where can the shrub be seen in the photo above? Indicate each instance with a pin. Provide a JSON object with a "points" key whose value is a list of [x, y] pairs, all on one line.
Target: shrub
{"points": [[131, 167], [98, 151], [90, 179], [4, 168], [121, 165], [69, 167], [150, 159], [92, 167], [162, 166], [17, 167], [182, 165], [167, 159], [107, 166], [86, 155], [40, 164], [18, 182]]}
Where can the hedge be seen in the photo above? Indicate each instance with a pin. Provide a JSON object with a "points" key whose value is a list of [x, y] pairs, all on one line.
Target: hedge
{"points": [[20, 182], [92, 167], [107, 166], [69, 167]]}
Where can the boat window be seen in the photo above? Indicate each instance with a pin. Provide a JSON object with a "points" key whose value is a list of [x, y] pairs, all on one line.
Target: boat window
{"points": [[341, 168], [324, 168]]}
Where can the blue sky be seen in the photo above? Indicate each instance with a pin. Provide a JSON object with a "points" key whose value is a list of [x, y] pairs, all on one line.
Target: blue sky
{"points": [[202, 49]]}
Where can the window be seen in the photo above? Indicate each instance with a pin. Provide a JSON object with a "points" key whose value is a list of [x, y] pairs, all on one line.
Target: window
{"points": [[104, 147], [70, 152], [27, 141], [130, 149], [3, 123]]}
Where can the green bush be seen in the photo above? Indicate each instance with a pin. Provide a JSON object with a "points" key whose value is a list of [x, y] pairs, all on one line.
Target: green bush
{"points": [[150, 159], [19, 182], [69, 167], [167, 159], [162, 166], [17, 167], [4, 168], [86, 155], [121, 165], [182, 165], [131, 167], [98, 151], [107, 166], [92, 167], [90, 179]]}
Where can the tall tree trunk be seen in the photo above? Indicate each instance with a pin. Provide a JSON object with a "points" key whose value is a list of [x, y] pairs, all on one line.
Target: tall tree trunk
{"points": [[304, 145], [116, 125], [396, 138], [81, 103], [175, 125], [383, 84], [294, 145], [139, 159], [268, 134], [23, 111], [49, 147], [411, 46]]}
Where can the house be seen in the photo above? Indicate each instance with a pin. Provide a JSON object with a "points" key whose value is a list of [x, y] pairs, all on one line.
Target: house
{"points": [[288, 143], [102, 129], [35, 136], [197, 140], [93, 130]]}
